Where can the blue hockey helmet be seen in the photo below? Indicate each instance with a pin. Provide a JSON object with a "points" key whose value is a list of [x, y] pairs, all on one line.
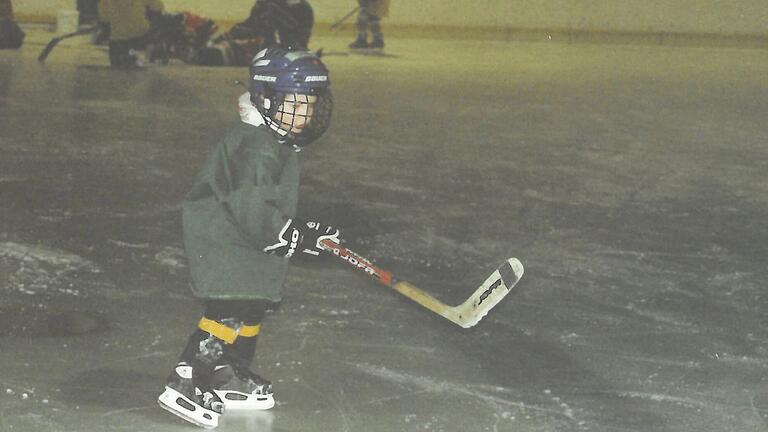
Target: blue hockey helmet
{"points": [[291, 90]]}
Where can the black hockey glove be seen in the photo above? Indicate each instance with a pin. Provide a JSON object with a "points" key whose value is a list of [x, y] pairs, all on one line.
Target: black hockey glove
{"points": [[304, 236]]}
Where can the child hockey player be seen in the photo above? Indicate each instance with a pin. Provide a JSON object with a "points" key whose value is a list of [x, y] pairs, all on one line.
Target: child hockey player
{"points": [[369, 19], [239, 228]]}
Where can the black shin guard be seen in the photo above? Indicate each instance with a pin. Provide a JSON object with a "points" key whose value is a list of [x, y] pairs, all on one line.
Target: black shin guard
{"points": [[237, 314]]}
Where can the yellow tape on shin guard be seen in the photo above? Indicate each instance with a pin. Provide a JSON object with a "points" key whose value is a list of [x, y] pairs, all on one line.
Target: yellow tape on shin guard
{"points": [[250, 331], [226, 333]]}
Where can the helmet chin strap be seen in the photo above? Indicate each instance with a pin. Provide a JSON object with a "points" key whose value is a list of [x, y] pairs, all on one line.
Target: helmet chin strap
{"points": [[283, 133]]}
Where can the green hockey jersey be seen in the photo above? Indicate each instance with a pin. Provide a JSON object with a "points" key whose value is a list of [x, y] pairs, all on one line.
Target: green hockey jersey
{"points": [[240, 200]]}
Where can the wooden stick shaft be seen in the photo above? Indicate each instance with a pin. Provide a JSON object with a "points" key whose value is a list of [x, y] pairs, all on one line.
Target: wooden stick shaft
{"points": [[386, 278], [344, 18], [424, 299], [467, 314]]}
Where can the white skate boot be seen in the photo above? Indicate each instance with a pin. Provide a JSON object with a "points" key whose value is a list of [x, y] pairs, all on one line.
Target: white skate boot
{"points": [[188, 396], [241, 389]]}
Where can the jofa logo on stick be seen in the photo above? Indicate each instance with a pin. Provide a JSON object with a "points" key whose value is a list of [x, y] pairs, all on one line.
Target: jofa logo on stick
{"points": [[488, 292], [355, 261]]}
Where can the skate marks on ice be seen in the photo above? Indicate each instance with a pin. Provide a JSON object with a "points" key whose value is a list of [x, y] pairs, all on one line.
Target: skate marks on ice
{"points": [[60, 280], [170, 258], [36, 253], [36, 269], [92, 390], [550, 405], [423, 384], [668, 334], [497, 398]]}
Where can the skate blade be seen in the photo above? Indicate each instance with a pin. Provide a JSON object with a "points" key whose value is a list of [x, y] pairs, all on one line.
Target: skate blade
{"points": [[237, 401], [179, 405]]}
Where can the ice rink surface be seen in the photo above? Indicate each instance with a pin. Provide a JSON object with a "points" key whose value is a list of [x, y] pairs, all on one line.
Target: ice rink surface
{"points": [[631, 181]]}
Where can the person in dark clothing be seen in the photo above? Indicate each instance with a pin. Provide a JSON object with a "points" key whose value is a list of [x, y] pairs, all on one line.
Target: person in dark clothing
{"points": [[89, 12], [129, 23], [6, 9], [287, 23], [11, 35], [369, 20]]}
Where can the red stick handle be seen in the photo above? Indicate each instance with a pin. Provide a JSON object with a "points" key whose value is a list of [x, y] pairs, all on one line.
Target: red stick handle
{"points": [[358, 262]]}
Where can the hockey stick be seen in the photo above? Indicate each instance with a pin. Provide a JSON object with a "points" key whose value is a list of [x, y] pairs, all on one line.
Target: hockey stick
{"points": [[467, 314], [344, 18], [52, 44]]}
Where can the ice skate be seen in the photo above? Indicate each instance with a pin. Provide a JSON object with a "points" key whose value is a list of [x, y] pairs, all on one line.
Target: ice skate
{"points": [[128, 59], [241, 389], [359, 44], [225, 348], [377, 44], [188, 396]]}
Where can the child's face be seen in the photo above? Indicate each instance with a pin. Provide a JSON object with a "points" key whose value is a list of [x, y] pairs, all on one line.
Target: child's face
{"points": [[295, 113]]}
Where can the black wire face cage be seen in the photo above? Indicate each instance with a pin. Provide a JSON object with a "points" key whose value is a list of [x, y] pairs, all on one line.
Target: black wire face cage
{"points": [[299, 119]]}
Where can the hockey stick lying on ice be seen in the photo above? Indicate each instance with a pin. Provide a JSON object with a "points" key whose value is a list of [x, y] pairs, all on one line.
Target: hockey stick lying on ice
{"points": [[335, 25], [467, 314], [52, 44]]}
